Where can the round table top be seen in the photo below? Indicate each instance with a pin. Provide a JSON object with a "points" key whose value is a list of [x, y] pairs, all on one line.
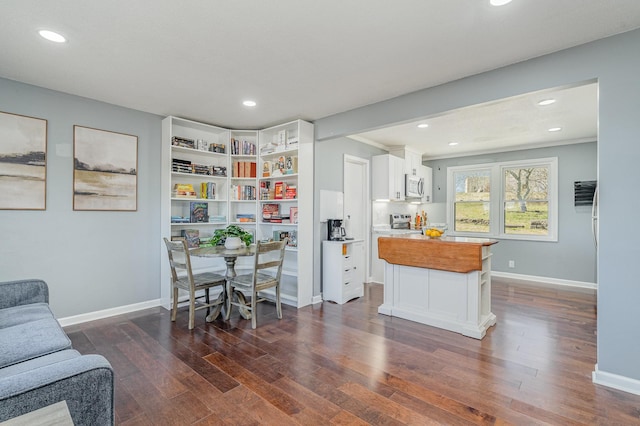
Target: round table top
{"points": [[222, 251]]}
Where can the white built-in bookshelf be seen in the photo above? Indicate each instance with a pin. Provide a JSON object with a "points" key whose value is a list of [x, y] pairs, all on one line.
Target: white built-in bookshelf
{"points": [[235, 174]]}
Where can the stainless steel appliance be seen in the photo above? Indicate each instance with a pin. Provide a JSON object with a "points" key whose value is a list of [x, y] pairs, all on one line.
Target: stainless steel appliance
{"points": [[414, 186], [336, 231], [400, 221]]}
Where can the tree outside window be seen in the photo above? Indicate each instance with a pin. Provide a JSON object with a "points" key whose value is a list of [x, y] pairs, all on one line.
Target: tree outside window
{"points": [[526, 200], [525, 207]]}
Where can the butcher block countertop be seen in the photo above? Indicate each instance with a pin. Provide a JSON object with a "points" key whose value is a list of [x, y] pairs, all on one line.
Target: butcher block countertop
{"points": [[455, 254]]}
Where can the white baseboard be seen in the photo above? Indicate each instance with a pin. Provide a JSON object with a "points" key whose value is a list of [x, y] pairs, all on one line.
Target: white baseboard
{"points": [[92, 316], [616, 381], [316, 299], [547, 281]]}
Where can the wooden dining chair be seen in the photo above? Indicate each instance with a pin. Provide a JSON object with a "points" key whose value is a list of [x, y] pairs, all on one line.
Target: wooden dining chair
{"points": [[182, 277], [267, 270]]}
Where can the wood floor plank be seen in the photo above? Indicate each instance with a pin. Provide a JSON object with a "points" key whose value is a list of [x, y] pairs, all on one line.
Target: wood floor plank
{"points": [[348, 365]]}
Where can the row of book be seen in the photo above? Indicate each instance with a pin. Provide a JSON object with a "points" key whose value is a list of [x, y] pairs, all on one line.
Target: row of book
{"points": [[242, 192], [208, 190], [245, 217], [244, 169], [239, 147], [186, 166], [277, 191], [199, 144], [271, 214]]}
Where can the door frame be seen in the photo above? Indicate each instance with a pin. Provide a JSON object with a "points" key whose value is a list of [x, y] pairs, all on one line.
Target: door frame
{"points": [[367, 205]]}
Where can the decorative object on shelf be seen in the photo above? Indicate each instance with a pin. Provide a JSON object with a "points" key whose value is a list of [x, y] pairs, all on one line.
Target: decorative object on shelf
{"points": [[198, 212], [293, 214], [105, 171], [23, 170], [192, 236], [290, 165], [266, 169], [221, 235]]}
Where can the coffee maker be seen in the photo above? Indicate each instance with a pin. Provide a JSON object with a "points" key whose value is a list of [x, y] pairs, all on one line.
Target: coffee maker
{"points": [[336, 231]]}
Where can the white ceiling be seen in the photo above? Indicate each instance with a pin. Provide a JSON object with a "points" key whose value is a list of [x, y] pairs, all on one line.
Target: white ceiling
{"points": [[297, 58], [508, 124]]}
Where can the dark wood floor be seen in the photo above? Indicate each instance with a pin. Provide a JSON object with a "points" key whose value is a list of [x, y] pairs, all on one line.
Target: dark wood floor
{"points": [[332, 364]]}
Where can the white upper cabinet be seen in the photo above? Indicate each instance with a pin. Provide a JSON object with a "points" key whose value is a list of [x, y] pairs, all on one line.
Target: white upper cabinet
{"points": [[427, 174], [388, 177], [412, 159]]}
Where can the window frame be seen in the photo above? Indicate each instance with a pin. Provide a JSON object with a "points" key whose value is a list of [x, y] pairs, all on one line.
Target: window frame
{"points": [[497, 199]]}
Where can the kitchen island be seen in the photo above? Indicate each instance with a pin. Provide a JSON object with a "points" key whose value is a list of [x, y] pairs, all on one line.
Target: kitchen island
{"points": [[442, 282]]}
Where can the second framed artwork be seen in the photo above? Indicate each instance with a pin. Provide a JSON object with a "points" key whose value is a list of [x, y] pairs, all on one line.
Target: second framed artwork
{"points": [[105, 170]]}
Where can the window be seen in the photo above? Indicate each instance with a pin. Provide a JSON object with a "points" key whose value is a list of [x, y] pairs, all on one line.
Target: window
{"points": [[511, 200]]}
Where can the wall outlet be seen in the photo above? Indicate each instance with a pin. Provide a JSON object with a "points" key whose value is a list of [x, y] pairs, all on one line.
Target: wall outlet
{"points": [[512, 264]]}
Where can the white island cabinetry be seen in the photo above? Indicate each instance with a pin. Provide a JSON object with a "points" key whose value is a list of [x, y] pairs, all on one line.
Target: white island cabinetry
{"points": [[444, 283]]}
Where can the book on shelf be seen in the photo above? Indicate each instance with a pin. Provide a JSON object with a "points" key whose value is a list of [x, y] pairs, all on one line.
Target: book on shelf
{"points": [[245, 217], [239, 147], [192, 236], [244, 169], [269, 210], [208, 190], [182, 142], [243, 192], [198, 212], [179, 219], [293, 214], [278, 188], [291, 192], [184, 190]]}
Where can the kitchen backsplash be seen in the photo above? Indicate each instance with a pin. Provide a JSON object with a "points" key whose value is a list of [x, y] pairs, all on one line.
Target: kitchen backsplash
{"points": [[436, 212]]}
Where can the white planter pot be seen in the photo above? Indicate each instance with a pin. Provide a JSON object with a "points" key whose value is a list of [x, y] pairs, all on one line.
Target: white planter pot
{"points": [[233, 243]]}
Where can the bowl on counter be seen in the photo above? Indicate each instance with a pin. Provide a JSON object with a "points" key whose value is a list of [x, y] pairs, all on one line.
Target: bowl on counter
{"points": [[435, 230]]}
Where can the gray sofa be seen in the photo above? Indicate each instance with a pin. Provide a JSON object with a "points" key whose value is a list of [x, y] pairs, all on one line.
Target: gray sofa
{"points": [[38, 367]]}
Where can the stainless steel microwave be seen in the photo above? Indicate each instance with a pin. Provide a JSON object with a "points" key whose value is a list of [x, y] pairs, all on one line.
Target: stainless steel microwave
{"points": [[414, 186]]}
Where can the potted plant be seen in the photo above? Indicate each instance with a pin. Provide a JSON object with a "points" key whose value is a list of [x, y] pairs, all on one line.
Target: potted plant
{"points": [[232, 237]]}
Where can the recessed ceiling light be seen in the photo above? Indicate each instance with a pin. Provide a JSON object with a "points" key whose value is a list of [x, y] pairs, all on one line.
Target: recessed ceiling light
{"points": [[499, 2], [423, 126], [546, 102], [249, 103], [555, 129], [453, 143], [52, 36]]}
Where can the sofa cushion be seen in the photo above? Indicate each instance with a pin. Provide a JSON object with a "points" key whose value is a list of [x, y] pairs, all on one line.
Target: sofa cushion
{"points": [[24, 313], [41, 361], [22, 342]]}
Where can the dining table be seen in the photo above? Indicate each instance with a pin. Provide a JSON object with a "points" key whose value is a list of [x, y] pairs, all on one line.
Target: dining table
{"points": [[230, 257]]}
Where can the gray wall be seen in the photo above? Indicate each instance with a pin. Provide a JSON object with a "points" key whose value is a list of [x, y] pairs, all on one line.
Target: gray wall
{"points": [[616, 64], [91, 260], [329, 171], [573, 257]]}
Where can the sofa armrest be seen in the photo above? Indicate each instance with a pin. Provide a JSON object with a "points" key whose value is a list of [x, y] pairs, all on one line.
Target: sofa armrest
{"points": [[23, 292], [85, 382]]}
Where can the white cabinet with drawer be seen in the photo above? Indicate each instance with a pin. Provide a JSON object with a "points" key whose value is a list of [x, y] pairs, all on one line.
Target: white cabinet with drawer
{"points": [[342, 270]]}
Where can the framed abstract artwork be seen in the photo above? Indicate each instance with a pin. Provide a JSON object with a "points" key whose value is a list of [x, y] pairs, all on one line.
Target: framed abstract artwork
{"points": [[23, 162], [105, 170]]}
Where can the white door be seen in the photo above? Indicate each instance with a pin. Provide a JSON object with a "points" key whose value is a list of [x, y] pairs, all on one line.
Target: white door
{"points": [[357, 205]]}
